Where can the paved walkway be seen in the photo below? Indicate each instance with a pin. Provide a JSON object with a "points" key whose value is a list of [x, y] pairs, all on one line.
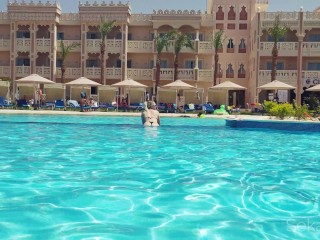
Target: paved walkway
{"points": [[98, 113]]}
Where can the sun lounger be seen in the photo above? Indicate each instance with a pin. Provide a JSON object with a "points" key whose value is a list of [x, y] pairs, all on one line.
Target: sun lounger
{"points": [[5, 104]]}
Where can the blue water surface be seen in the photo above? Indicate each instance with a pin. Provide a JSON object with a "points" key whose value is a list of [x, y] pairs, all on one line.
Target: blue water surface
{"points": [[86, 177]]}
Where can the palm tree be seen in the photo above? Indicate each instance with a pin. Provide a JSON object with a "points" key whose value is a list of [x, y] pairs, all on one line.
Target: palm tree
{"points": [[217, 42], [64, 52], [162, 41], [277, 32], [104, 28], [181, 40]]}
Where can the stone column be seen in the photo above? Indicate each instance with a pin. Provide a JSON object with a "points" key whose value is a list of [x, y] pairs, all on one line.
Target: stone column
{"points": [[13, 56], [84, 54], [33, 43], [53, 53], [300, 36], [124, 56]]}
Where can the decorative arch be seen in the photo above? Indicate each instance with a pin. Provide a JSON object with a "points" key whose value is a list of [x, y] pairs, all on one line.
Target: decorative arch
{"points": [[243, 13], [231, 14], [220, 14]]}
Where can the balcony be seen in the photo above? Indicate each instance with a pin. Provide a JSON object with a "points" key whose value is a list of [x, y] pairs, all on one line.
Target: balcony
{"points": [[110, 73], [23, 45], [22, 71], [166, 73], [112, 46], [140, 46], [68, 43], [43, 45], [206, 48], [183, 74], [113, 73], [311, 49], [5, 71], [286, 76], [70, 73], [183, 50], [140, 74], [205, 75], [4, 44], [43, 71], [285, 48]]}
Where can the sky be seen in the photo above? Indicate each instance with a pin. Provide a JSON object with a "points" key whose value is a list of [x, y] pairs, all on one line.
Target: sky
{"points": [[147, 6]]}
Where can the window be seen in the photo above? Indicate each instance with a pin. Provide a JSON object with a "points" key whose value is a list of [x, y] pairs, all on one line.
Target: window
{"points": [[118, 35], [201, 37], [231, 14], [230, 69], [129, 36], [23, 62], [23, 34], [241, 71], [60, 36], [270, 39], [314, 38], [94, 91], [118, 63], [191, 64], [242, 44], [129, 64], [92, 63], [163, 64], [314, 66], [230, 43], [280, 66], [59, 63], [220, 14], [92, 35]]}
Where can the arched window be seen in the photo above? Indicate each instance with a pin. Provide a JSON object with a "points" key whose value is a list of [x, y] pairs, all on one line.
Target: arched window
{"points": [[230, 71], [220, 14], [219, 71], [241, 71], [242, 46], [243, 13], [231, 14], [230, 43], [230, 46]]}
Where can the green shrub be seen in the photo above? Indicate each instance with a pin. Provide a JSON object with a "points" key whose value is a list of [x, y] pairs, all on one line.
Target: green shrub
{"points": [[282, 110], [300, 111], [268, 105]]}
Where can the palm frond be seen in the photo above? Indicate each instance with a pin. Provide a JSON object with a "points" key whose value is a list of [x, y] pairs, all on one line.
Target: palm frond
{"points": [[278, 30], [218, 39]]}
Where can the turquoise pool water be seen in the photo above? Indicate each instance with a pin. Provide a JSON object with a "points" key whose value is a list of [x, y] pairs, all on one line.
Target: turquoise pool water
{"points": [[69, 177]]}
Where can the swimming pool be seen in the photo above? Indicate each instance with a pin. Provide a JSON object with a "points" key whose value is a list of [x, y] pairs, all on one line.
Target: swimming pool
{"points": [[71, 177]]}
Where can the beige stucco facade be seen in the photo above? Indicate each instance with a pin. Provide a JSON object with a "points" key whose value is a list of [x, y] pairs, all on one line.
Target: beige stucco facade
{"points": [[30, 35]]}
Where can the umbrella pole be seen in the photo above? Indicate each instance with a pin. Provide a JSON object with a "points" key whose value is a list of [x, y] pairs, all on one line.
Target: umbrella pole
{"points": [[64, 97]]}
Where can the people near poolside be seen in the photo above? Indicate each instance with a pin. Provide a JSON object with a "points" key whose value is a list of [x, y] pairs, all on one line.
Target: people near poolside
{"points": [[83, 94], [201, 115], [83, 103], [150, 116]]}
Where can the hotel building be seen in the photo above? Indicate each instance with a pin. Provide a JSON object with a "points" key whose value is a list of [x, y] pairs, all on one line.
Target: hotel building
{"points": [[31, 32]]}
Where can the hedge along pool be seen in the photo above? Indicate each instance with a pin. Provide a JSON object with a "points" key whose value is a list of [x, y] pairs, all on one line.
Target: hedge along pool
{"points": [[84, 177]]}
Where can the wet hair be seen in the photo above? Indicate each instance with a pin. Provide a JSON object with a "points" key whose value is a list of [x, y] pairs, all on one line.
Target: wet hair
{"points": [[151, 104]]}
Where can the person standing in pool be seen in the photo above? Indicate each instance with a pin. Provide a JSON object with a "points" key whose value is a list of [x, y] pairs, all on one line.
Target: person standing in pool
{"points": [[150, 116]]}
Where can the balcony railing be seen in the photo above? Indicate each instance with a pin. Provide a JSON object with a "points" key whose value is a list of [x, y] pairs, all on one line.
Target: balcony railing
{"points": [[166, 73], [43, 71], [285, 48], [206, 47], [140, 74], [113, 73], [22, 71], [23, 44], [186, 74], [4, 71], [311, 48], [43, 44], [286, 76], [140, 46], [205, 75], [4, 44], [112, 46], [71, 73], [110, 73], [68, 43]]}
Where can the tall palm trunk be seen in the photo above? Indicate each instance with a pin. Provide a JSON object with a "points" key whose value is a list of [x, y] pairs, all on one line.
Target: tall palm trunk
{"points": [[176, 66], [102, 63], [216, 67], [63, 70], [274, 62]]}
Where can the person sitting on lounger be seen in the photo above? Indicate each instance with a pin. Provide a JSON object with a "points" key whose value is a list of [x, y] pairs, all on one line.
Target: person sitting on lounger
{"points": [[150, 116]]}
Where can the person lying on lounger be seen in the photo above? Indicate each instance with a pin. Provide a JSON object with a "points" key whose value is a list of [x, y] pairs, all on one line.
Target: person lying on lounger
{"points": [[150, 116]]}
